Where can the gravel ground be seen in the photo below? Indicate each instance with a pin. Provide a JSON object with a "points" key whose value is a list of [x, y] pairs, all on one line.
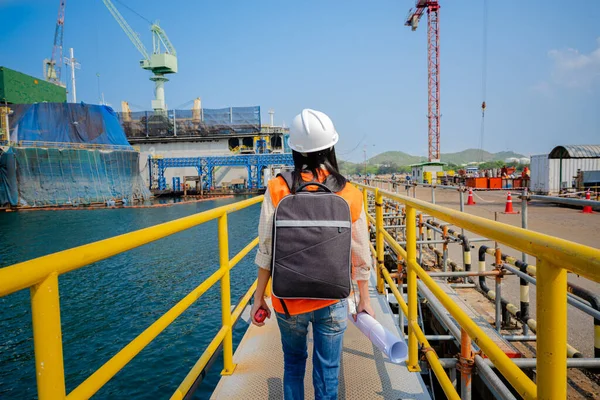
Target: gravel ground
{"points": [[565, 223]]}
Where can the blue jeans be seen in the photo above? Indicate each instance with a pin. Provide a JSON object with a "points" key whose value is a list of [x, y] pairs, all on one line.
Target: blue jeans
{"points": [[328, 324]]}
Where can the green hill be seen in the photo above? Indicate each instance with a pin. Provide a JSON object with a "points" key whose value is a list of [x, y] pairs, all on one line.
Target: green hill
{"points": [[395, 157], [462, 157], [398, 161]]}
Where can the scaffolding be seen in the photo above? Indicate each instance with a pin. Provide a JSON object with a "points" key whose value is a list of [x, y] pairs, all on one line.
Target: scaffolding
{"points": [[254, 164]]}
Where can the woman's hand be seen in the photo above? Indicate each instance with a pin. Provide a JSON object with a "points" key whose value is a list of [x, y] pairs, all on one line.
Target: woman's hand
{"points": [[366, 307], [258, 304]]}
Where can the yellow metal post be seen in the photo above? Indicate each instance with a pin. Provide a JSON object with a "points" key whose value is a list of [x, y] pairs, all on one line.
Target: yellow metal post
{"points": [[379, 239], [551, 307], [228, 365], [411, 255], [366, 201], [47, 339]]}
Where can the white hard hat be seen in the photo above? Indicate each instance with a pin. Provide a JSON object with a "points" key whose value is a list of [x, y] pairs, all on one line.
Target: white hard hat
{"points": [[312, 131]]}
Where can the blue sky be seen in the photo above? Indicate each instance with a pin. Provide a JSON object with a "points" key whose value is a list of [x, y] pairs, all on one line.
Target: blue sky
{"points": [[354, 60]]}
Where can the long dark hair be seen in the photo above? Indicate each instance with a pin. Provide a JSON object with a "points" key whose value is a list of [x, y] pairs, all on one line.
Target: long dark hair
{"points": [[313, 162]]}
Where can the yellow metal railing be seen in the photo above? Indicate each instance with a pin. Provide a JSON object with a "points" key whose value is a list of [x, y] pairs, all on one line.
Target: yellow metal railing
{"points": [[41, 276], [554, 258]]}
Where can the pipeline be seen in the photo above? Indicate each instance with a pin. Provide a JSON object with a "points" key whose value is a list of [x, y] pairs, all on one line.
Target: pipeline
{"points": [[507, 308], [594, 301], [523, 314], [490, 378], [440, 255], [463, 239], [458, 237], [531, 363]]}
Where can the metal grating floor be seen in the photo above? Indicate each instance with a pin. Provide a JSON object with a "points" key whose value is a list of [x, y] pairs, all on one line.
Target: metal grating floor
{"points": [[365, 372]]}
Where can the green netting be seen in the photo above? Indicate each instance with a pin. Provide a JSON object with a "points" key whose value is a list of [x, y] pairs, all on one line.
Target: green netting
{"points": [[63, 176]]}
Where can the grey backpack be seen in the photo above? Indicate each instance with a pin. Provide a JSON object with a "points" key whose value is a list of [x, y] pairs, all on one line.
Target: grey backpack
{"points": [[312, 238]]}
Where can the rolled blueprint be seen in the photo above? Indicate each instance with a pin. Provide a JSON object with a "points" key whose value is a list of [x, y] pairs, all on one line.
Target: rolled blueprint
{"points": [[389, 344]]}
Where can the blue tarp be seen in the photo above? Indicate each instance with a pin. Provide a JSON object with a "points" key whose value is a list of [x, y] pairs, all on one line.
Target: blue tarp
{"points": [[9, 195], [66, 123], [59, 176]]}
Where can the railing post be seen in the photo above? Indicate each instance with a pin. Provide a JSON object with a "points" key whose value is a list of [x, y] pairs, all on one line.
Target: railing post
{"points": [[551, 307], [465, 365], [228, 365], [379, 239], [411, 253], [47, 339]]}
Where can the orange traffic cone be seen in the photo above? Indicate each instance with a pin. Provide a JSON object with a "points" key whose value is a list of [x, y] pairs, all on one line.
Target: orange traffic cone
{"points": [[470, 201], [509, 207], [587, 209]]}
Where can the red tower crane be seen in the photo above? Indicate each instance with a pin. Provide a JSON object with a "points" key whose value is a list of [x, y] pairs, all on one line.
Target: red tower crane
{"points": [[52, 67], [433, 68]]}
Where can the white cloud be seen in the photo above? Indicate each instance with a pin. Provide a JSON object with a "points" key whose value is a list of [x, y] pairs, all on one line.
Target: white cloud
{"points": [[574, 69]]}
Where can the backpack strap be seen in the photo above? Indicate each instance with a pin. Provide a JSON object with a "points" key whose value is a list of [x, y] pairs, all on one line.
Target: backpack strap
{"points": [[285, 309], [330, 182], [288, 177]]}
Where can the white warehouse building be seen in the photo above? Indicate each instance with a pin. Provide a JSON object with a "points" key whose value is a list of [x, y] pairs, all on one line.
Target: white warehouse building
{"points": [[556, 171]]}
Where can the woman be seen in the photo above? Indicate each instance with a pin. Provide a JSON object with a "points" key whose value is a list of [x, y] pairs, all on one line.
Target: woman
{"points": [[312, 137]]}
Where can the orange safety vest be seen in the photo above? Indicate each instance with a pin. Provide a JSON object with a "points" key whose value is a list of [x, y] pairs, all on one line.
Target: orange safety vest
{"points": [[278, 189]]}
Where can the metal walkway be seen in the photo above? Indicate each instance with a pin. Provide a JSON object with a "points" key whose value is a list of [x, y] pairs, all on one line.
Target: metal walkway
{"points": [[365, 373]]}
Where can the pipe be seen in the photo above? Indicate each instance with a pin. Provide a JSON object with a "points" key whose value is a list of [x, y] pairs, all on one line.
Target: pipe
{"points": [[462, 238], [564, 200], [572, 300], [436, 337], [510, 308], [421, 238], [524, 219], [482, 283], [462, 285], [465, 273], [520, 338], [462, 205], [445, 249], [594, 300], [498, 304], [465, 365], [425, 242], [530, 363], [492, 381], [480, 240]]}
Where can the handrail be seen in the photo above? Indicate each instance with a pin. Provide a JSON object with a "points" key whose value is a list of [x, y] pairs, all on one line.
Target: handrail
{"points": [[555, 256], [41, 275], [580, 259]]}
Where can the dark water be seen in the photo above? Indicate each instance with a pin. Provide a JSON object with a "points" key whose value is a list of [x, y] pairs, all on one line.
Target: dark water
{"points": [[107, 304]]}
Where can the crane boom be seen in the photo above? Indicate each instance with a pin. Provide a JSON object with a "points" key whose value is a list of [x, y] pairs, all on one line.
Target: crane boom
{"points": [[160, 36], [52, 67], [127, 29], [159, 63], [433, 69]]}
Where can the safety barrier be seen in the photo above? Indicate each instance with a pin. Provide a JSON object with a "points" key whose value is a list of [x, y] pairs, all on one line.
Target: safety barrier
{"points": [[41, 276], [555, 257]]}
